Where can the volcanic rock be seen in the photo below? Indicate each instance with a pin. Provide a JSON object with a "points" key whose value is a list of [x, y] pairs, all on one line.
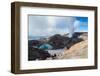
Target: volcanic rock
{"points": [[35, 53]]}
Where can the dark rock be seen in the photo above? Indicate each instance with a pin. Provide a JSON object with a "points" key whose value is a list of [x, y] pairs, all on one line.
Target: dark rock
{"points": [[54, 56], [73, 41], [34, 43], [77, 34], [35, 53], [58, 41]]}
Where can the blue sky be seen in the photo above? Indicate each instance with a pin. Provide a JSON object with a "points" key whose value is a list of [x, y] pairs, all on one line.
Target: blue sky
{"points": [[83, 23], [50, 25]]}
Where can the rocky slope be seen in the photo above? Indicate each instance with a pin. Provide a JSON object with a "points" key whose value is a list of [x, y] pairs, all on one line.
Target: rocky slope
{"points": [[79, 50], [74, 47]]}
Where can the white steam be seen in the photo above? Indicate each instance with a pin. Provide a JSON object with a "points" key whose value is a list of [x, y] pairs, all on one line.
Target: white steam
{"points": [[73, 26]]}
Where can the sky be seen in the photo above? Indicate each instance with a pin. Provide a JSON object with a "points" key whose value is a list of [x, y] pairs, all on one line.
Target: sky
{"points": [[50, 25]]}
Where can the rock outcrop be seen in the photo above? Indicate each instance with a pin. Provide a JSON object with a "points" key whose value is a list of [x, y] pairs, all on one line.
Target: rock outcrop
{"points": [[37, 54]]}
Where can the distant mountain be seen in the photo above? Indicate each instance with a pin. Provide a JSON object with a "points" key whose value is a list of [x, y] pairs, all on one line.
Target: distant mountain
{"points": [[35, 37]]}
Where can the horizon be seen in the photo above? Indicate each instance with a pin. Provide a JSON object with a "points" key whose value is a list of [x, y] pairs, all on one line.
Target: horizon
{"points": [[60, 34]]}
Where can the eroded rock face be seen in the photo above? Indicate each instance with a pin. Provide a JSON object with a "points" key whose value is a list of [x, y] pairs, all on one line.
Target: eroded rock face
{"points": [[59, 42]]}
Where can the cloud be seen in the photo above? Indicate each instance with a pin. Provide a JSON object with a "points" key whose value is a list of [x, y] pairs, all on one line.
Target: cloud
{"points": [[37, 25], [50, 25]]}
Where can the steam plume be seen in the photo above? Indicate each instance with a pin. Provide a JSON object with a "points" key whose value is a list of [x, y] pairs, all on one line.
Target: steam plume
{"points": [[73, 26]]}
